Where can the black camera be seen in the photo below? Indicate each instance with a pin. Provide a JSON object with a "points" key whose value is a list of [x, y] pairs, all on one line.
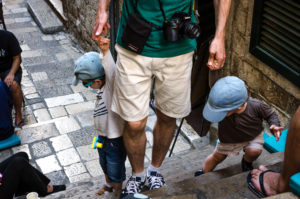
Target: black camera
{"points": [[180, 25]]}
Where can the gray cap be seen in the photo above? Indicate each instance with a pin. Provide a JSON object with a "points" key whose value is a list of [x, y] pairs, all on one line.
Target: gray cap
{"points": [[88, 66], [227, 94]]}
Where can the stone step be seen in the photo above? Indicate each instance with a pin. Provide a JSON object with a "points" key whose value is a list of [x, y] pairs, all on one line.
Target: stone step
{"points": [[57, 7], [44, 16]]}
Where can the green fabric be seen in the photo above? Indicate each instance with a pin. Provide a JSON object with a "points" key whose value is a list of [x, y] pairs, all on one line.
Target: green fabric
{"points": [[149, 10]]}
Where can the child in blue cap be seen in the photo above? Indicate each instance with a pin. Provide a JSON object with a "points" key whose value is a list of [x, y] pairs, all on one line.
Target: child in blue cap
{"points": [[98, 72], [240, 123]]}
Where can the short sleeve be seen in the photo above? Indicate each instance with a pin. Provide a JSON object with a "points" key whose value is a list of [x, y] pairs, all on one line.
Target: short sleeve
{"points": [[14, 46]]}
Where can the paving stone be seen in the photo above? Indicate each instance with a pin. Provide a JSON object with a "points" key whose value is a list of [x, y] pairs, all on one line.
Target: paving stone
{"points": [[59, 37], [80, 177], [87, 153], [28, 90], [42, 115], [24, 47], [4, 154], [61, 142], [82, 137], [61, 56], [26, 84], [24, 72], [66, 125], [149, 136], [39, 76], [80, 88], [47, 37], [21, 20], [41, 149], [94, 168], [27, 110], [86, 118], [151, 121], [181, 145], [68, 156], [48, 164], [80, 107], [18, 10], [34, 101], [31, 53], [55, 90], [9, 21], [58, 111], [24, 148], [29, 135], [29, 119], [32, 96], [74, 169], [37, 106], [89, 95], [58, 177], [64, 100]]}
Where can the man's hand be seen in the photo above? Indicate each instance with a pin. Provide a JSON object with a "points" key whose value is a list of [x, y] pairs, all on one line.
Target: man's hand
{"points": [[217, 54], [276, 131], [101, 25], [9, 79], [103, 44]]}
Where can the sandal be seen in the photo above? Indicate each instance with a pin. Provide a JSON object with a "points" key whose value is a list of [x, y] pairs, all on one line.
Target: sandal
{"points": [[20, 124], [104, 190]]}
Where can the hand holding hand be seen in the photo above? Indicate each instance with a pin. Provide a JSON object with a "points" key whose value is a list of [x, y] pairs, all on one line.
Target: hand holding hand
{"points": [[104, 44], [101, 25], [217, 54], [276, 131]]}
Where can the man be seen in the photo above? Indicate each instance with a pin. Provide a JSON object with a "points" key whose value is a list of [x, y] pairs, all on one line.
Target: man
{"points": [[171, 64], [10, 70]]}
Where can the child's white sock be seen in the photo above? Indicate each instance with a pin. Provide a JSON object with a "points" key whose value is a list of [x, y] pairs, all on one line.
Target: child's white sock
{"points": [[141, 175], [108, 185], [152, 168]]}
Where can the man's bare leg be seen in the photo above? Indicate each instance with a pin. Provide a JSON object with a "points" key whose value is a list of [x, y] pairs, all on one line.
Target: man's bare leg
{"points": [[135, 143], [163, 133], [279, 182], [17, 100]]}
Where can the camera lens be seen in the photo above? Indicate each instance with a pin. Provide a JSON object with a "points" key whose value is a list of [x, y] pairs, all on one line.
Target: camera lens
{"points": [[191, 30]]}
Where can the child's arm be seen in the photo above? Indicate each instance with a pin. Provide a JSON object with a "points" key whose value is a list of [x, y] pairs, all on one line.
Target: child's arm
{"points": [[104, 45], [271, 117]]}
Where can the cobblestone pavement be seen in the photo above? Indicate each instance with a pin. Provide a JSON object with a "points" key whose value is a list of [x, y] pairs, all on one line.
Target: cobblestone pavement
{"points": [[59, 124]]}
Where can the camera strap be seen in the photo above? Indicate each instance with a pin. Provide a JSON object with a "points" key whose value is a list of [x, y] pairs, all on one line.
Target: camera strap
{"points": [[163, 12]]}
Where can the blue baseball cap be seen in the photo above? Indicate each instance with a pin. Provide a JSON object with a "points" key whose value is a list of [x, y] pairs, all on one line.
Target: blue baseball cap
{"points": [[88, 66], [227, 94]]}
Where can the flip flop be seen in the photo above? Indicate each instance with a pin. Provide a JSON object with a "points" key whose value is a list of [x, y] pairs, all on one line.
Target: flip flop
{"points": [[20, 124], [251, 186]]}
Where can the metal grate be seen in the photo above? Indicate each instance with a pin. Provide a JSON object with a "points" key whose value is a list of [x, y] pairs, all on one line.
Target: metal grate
{"points": [[275, 37]]}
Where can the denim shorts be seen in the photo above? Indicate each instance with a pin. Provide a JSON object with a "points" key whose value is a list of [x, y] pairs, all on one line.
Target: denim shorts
{"points": [[112, 158]]}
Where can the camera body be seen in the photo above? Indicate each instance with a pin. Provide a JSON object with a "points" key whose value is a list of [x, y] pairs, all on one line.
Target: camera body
{"points": [[180, 26]]}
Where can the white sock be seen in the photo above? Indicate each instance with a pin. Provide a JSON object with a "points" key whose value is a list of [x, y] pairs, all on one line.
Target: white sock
{"points": [[108, 185], [141, 175], [152, 168]]}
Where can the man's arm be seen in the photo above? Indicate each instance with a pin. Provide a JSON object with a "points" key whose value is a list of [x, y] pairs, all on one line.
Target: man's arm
{"points": [[14, 67], [217, 47], [101, 24]]}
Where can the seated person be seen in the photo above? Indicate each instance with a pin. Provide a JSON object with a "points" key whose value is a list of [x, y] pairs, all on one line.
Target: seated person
{"points": [[240, 123], [10, 70], [100, 75], [18, 177]]}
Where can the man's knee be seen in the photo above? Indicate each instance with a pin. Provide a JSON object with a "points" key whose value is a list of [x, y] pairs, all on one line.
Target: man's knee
{"points": [[15, 86], [137, 126]]}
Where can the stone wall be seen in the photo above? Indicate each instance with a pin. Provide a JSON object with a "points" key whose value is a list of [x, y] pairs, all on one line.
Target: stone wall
{"points": [[263, 82]]}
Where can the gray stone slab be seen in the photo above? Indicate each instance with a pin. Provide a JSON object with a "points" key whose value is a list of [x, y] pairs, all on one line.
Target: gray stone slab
{"points": [[58, 177], [82, 137], [44, 16], [86, 118], [4, 154], [66, 125], [48, 164], [68, 157], [41, 149], [94, 168], [61, 142], [87, 153], [75, 169], [29, 135], [64, 100], [55, 90]]}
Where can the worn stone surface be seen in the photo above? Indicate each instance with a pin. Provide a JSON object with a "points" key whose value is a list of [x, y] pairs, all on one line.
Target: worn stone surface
{"points": [[64, 100], [87, 153], [61, 142], [48, 164], [41, 149], [66, 125], [68, 156]]}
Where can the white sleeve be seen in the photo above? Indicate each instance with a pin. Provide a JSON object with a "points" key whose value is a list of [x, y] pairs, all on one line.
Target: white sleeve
{"points": [[109, 66]]}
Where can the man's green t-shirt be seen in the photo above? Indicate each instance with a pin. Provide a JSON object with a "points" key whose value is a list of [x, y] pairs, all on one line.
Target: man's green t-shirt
{"points": [[149, 10]]}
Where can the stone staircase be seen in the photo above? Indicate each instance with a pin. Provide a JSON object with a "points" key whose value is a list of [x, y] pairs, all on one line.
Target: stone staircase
{"points": [[227, 181]]}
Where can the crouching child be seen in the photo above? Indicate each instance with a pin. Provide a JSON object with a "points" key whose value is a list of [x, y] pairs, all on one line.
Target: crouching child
{"points": [[97, 71], [240, 123]]}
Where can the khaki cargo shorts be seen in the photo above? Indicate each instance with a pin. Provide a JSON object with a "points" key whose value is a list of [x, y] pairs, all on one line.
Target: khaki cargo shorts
{"points": [[133, 83], [234, 149]]}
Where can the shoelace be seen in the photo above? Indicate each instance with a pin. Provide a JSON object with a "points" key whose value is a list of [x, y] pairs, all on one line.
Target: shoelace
{"points": [[133, 186], [156, 181]]}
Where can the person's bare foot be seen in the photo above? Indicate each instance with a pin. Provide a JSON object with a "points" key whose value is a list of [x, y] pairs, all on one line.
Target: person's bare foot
{"points": [[271, 180], [49, 188]]}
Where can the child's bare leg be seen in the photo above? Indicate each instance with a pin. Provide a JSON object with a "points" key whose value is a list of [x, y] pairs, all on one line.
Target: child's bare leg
{"points": [[212, 161], [117, 186], [251, 154]]}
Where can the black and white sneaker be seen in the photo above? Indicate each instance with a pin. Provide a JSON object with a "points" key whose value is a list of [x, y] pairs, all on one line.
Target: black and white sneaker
{"points": [[155, 180], [133, 186]]}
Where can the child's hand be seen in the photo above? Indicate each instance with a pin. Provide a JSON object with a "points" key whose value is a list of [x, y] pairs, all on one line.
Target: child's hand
{"points": [[276, 131], [103, 44]]}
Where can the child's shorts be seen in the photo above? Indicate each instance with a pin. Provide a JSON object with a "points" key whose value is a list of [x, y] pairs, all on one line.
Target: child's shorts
{"points": [[112, 158], [234, 149]]}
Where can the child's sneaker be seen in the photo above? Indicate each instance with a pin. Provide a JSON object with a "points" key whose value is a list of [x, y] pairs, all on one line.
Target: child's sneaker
{"points": [[199, 172], [246, 166], [155, 180], [134, 185]]}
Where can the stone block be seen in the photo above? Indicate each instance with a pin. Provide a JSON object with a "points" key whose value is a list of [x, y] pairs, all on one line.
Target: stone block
{"points": [[32, 96], [89, 95], [41, 149], [68, 156], [61, 142], [61, 56], [31, 53], [74, 169], [37, 106], [42, 115], [4, 154], [29, 119], [39, 76], [29, 135], [64, 100], [58, 111], [82, 137], [86, 118], [80, 107], [79, 177], [80, 88], [58, 177], [28, 90], [24, 47], [22, 20], [48, 164], [22, 148], [47, 38], [87, 153], [66, 125], [26, 84], [94, 168], [55, 90]]}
